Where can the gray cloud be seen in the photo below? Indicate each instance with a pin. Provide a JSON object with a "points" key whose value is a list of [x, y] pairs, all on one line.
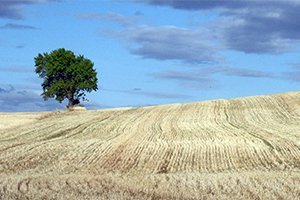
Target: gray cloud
{"points": [[138, 13], [13, 9], [14, 100], [295, 66], [294, 74], [204, 79], [157, 95], [17, 69], [171, 43], [240, 72], [17, 26], [28, 100], [249, 26], [18, 99], [218, 4], [20, 46], [7, 90], [114, 17], [194, 4], [270, 31], [192, 79], [160, 95]]}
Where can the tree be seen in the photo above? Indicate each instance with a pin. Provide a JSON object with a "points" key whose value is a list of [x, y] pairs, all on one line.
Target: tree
{"points": [[66, 76]]}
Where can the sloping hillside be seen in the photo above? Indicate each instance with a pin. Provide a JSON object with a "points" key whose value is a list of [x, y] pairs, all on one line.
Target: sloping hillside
{"points": [[246, 148]]}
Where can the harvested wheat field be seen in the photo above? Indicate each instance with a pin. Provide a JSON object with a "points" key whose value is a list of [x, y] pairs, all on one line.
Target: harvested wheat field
{"points": [[246, 148]]}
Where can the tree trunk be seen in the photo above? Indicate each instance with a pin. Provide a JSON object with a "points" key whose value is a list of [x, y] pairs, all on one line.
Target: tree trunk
{"points": [[72, 101], [71, 104]]}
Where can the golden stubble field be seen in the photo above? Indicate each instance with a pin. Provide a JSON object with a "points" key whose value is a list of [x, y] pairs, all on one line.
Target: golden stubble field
{"points": [[246, 148]]}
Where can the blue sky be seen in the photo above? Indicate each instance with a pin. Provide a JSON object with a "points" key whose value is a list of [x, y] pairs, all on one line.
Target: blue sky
{"points": [[150, 52]]}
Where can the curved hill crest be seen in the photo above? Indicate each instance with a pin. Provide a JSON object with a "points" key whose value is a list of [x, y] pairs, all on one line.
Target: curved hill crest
{"points": [[242, 148]]}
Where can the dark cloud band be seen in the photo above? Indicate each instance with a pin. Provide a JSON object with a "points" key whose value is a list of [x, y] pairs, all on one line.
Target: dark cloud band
{"points": [[250, 26], [204, 78], [12, 9], [171, 43], [17, 26]]}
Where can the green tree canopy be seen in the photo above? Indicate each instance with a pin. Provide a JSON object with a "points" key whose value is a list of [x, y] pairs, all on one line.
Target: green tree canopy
{"points": [[66, 76]]}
